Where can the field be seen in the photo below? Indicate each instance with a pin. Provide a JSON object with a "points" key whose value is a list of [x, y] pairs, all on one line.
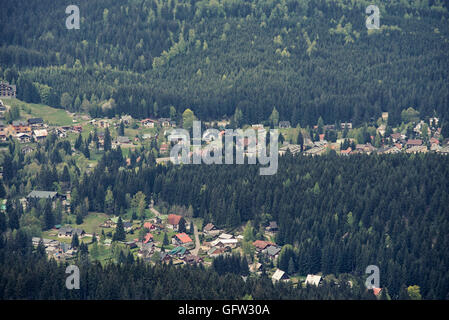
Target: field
{"points": [[51, 116]]}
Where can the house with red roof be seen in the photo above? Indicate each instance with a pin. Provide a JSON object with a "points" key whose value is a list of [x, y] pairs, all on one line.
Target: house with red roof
{"points": [[149, 226], [148, 237], [261, 245], [173, 221], [182, 239]]}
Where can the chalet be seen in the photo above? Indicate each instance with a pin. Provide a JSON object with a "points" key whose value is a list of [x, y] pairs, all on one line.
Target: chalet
{"points": [[182, 239], [255, 267], [173, 221], [123, 140], [192, 259], [126, 119], [148, 238], [279, 275], [179, 251], [284, 124], [40, 135], [23, 137], [77, 129], [149, 226], [272, 252], [127, 226], [149, 123], [272, 226], [27, 149], [21, 127], [7, 90], [417, 149], [36, 122], [210, 229], [69, 232], [215, 251], [413, 142], [384, 116], [346, 125], [164, 122], [313, 280], [36, 194], [261, 245]]}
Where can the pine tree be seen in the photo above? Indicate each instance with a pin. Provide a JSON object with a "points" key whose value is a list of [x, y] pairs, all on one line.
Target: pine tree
{"points": [[119, 234]]}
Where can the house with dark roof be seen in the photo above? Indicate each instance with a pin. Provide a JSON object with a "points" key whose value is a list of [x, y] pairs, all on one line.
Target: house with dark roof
{"points": [[36, 122], [272, 226], [69, 232], [272, 252]]}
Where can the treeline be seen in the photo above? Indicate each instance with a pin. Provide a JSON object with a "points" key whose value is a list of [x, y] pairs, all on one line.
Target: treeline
{"points": [[306, 58]]}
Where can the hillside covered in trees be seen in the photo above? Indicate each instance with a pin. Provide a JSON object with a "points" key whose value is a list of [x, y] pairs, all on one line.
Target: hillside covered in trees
{"points": [[306, 58]]}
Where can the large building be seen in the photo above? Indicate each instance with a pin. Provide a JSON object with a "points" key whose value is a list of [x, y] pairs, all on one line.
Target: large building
{"points": [[7, 90]]}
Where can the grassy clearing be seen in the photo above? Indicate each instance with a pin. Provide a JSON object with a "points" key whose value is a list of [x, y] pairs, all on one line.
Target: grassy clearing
{"points": [[51, 116]]}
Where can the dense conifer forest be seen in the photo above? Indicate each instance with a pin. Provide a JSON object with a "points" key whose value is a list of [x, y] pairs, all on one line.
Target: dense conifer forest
{"points": [[306, 58], [314, 61]]}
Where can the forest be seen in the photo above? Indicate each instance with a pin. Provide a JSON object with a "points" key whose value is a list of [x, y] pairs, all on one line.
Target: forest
{"points": [[336, 215], [221, 57]]}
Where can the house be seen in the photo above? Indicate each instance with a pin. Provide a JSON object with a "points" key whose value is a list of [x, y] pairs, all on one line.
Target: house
{"points": [[146, 136], [272, 252], [413, 142], [149, 123], [284, 124], [27, 149], [126, 119], [313, 280], [279, 275], [192, 259], [149, 226], [127, 226], [182, 239], [272, 226], [164, 122], [40, 135], [377, 291], [20, 126], [23, 137], [36, 122], [255, 267], [122, 140], [261, 245], [210, 229], [346, 125], [173, 221], [36, 194], [215, 251], [7, 90], [77, 129], [148, 238], [417, 149], [384, 116], [69, 232]]}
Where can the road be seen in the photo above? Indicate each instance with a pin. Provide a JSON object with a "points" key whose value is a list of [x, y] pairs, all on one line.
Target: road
{"points": [[197, 241]]}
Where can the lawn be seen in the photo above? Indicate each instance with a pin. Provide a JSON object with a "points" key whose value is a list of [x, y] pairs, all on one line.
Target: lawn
{"points": [[92, 222], [51, 116]]}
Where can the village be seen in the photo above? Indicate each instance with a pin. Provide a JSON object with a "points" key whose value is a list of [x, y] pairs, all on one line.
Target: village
{"points": [[171, 237]]}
